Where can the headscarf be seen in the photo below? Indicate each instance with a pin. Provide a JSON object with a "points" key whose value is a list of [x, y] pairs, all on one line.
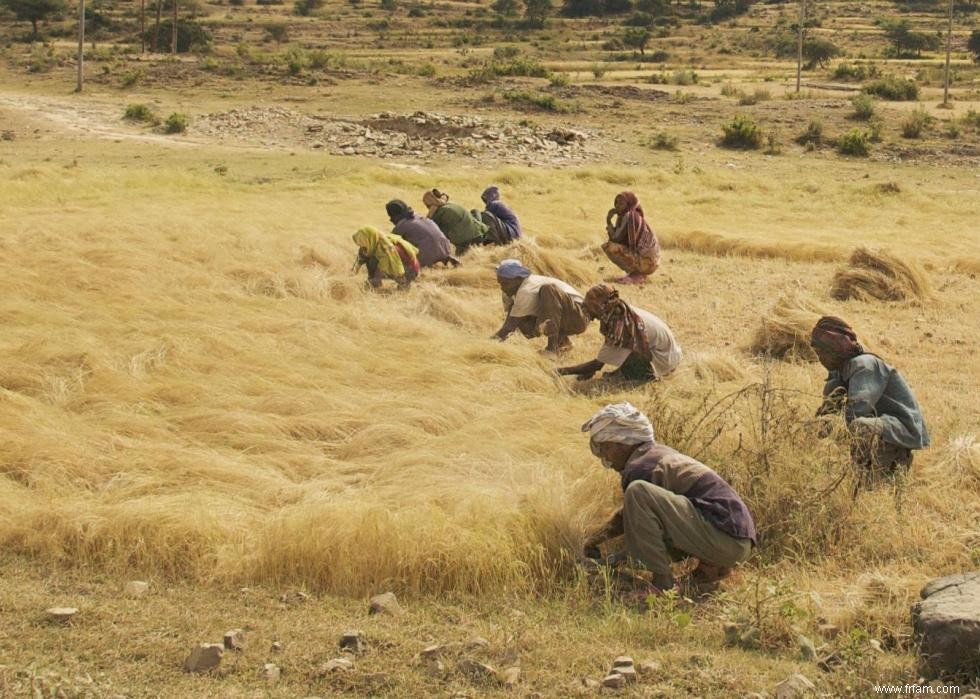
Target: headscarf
{"points": [[381, 246], [397, 210], [491, 193], [619, 422], [433, 199], [618, 323], [512, 269], [631, 226], [834, 336]]}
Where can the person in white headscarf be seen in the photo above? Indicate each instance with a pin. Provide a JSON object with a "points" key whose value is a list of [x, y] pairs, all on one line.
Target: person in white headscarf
{"points": [[673, 506], [537, 305]]}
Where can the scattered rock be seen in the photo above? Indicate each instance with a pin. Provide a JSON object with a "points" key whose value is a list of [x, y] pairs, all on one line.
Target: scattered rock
{"points": [[628, 673], [294, 597], [794, 687], [271, 673], [276, 647], [590, 683], [510, 677], [432, 652], [829, 662], [651, 668], [335, 665], [385, 603], [435, 666], [614, 680], [622, 661], [7, 135], [62, 615], [876, 645], [807, 649], [204, 657], [136, 588], [234, 639], [351, 641], [476, 670], [732, 632], [477, 643], [829, 631]]}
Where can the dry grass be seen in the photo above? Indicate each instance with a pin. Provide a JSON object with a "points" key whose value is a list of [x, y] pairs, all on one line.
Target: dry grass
{"points": [[877, 274], [784, 332]]}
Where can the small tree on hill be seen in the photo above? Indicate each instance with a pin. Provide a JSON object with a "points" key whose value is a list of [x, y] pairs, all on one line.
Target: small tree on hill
{"points": [[537, 11], [34, 11], [637, 38], [507, 8], [973, 45], [818, 51], [906, 42], [305, 8]]}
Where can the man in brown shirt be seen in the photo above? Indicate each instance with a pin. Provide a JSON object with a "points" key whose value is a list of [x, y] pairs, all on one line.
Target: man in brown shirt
{"points": [[672, 504]]}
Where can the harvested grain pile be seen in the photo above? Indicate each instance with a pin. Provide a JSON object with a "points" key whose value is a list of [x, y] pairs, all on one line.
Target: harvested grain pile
{"points": [[960, 462], [876, 274], [478, 265], [785, 330]]}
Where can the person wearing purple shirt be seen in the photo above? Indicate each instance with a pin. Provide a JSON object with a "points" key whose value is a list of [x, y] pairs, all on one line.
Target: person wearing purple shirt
{"points": [[509, 225], [673, 505], [434, 247]]}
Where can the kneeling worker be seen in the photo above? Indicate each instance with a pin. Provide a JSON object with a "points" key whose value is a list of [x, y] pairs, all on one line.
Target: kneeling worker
{"points": [[639, 346], [538, 305], [879, 407], [673, 506]]}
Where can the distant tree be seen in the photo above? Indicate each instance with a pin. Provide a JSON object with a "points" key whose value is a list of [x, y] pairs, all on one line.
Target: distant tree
{"points": [[389, 5], [34, 11], [277, 32], [507, 8], [657, 8], [305, 8], [537, 11], [637, 38], [818, 51], [595, 8], [906, 42], [726, 9], [973, 45]]}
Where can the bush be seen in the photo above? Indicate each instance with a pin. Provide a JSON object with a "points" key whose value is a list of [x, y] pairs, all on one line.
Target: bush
{"points": [[305, 8], [760, 95], [318, 59], [277, 32], [559, 80], [132, 77], [140, 112], [774, 144], [818, 51], [973, 45], [42, 59], [729, 90], [533, 100], [812, 136], [915, 123], [191, 36], [893, 88], [741, 132], [664, 141], [854, 142], [427, 70], [864, 106], [684, 77], [176, 123], [857, 72]]}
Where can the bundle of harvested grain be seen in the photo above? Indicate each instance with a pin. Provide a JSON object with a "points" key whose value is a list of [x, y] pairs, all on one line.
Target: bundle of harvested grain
{"points": [[477, 268], [875, 274], [785, 330]]}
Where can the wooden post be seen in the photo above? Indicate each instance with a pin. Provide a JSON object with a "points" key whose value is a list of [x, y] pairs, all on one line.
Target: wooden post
{"points": [[156, 31], [173, 34], [142, 26], [949, 48], [799, 44], [81, 44]]}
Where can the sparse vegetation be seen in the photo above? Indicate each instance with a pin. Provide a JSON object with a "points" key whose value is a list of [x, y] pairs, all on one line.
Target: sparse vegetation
{"points": [[175, 123], [140, 112], [864, 106], [741, 132], [893, 88], [854, 142], [916, 122], [812, 136], [535, 100], [663, 141]]}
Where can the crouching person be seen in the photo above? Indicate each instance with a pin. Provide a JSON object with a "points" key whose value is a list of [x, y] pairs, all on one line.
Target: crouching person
{"points": [[386, 256], [880, 409], [673, 505]]}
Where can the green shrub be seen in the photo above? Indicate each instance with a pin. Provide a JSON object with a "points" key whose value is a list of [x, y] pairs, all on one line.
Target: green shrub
{"points": [[559, 80], [427, 70], [972, 118], [875, 126], [191, 36], [774, 144], [318, 59], [729, 90], [305, 8], [176, 123], [42, 59], [598, 71], [915, 123], [664, 141], [813, 135], [864, 106], [854, 142], [741, 132], [893, 88], [684, 77], [759, 95], [533, 100], [140, 112], [503, 53], [277, 32]]}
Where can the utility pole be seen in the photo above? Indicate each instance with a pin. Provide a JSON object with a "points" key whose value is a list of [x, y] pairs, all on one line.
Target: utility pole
{"points": [[142, 26], [173, 34], [799, 44], [81, 44], [156, 31], [949, 45]]}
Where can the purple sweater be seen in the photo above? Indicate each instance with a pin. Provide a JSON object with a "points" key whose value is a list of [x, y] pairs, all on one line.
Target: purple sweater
{"points": [[424, 234], [708, 492], [507, 217]]}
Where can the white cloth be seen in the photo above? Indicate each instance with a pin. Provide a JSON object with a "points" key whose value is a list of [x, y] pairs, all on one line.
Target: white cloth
{"points": [[619, 422], [664, 349], [525, 301]]}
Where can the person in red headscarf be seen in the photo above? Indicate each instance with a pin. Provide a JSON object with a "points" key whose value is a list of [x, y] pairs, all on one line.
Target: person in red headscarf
{"points": [[632, 244], [880, 409]]}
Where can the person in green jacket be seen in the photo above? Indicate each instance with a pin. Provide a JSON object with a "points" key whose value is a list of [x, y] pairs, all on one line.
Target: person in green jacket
{"points": [[458, 224]]}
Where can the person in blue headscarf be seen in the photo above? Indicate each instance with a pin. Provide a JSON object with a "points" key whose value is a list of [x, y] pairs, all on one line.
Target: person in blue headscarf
{"points": [[503, 226], [537, 305]]}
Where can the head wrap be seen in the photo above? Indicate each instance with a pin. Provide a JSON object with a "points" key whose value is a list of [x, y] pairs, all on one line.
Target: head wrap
{"points": [[397, 210], [632, 229], [491, 193], [433, 199], [382, 247], [618, 323], [512, 269], [835, 337], [619, 422]]}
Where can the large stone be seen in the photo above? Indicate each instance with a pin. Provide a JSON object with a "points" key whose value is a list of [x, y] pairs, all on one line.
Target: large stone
{"points": [[351, 641], [234, 639], [614, 680], [476, 670], [61, 614], [204, 657], [335, 665], [510, 677], [947, 624], [795, 687], [136, 588], [649, 669], [385, 603], [622, 661], [628, 673], [271, 673]]}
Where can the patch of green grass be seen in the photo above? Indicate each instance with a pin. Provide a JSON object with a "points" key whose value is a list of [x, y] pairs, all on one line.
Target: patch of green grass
{"points": [[140, 112], [535, 100], [893, 88], [741, 132], [854, 142], [176, 123]]}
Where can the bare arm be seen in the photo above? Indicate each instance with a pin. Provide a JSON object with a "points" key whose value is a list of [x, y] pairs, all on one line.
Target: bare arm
{"points": [[583, 371], [610, 530], [509, 326]]}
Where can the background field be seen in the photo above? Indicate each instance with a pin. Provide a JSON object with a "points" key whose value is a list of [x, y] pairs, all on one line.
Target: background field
{"points": [[187, 398]]}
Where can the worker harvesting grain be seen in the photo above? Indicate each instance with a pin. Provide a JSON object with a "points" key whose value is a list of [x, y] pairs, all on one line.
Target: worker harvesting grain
{"points": [[386, 256], [538, 305], [639, 345], [458, 224], [879, 407], [423, 233], [503, 226], [673, 506], [632, 244]]}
